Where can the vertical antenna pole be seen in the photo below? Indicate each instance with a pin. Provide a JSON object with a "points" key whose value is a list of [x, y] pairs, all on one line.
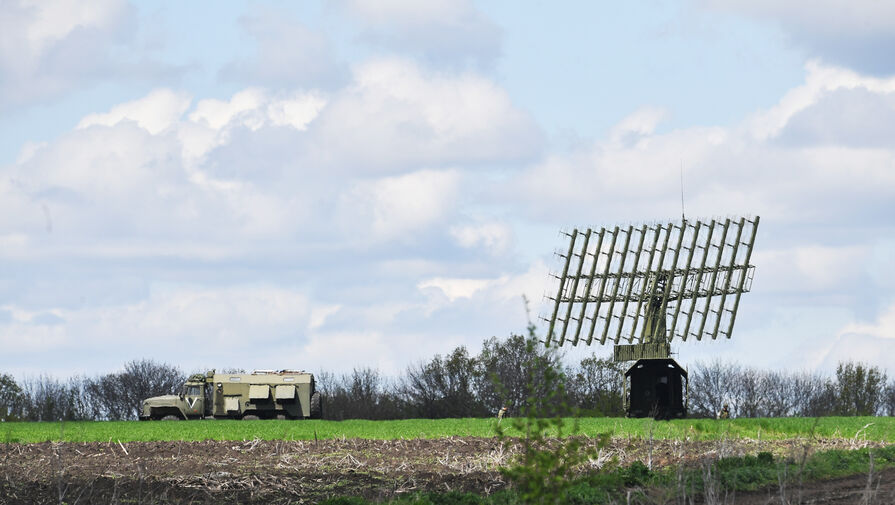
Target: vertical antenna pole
{"points": [[577, 278], [618, 281], [736, 301], [562, 282], [650, 320], [624, 314], [669, 279], [590, 280], [590, 334], [733, 259], [680, 296], [711, 289], [705, 255], [644, 288]]}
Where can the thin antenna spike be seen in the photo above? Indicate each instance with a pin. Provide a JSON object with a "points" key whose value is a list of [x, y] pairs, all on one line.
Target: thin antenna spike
{"points": [[683, 216]]}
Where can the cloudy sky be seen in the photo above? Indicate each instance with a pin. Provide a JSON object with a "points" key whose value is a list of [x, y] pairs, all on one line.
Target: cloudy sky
{"points": [[326, 185]]}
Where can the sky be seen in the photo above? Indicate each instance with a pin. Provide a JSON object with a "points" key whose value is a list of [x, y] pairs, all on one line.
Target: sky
{"points": [[359, 183]]}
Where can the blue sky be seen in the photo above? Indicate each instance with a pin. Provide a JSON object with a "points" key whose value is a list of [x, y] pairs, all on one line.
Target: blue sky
{"points": [[357, 183]]}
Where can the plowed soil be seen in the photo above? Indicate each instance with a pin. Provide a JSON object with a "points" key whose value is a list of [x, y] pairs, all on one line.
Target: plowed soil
{"points": [[308, 471]]}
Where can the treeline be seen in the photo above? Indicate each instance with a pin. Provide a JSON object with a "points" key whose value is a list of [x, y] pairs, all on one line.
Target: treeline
{"points": [[505, 373], [114, 396]]}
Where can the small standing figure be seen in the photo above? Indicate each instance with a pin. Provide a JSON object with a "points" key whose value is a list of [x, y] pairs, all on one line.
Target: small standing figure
{"points": [[500, 413], [725, 412]]}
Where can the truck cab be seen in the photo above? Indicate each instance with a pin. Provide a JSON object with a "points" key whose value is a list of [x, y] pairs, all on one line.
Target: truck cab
{"points": [[189, 403]]}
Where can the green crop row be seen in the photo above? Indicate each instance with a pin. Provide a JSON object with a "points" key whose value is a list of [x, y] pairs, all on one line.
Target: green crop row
{"points": [[869, 428]]}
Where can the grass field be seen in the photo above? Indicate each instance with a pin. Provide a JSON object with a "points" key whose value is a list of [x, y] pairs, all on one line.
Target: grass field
{"points": [[880, 429]]}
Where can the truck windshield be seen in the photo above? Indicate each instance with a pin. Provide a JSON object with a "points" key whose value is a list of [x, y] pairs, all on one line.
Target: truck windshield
{"points": [[191, 390]]}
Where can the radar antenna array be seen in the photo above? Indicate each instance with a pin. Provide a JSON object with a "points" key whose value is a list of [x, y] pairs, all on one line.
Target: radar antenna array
{"points": [[640, 287]]}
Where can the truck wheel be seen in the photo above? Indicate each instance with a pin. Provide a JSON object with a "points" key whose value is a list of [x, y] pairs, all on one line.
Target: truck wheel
{"points": [[250, 417], [316, 406], [170, 417]]}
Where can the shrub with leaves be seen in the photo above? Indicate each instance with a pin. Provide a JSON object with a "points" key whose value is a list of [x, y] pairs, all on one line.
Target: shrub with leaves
{"points": [[551, 449]]}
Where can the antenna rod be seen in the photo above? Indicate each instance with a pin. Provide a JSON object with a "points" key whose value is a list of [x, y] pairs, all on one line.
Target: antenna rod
{"points": [[683, 217]]}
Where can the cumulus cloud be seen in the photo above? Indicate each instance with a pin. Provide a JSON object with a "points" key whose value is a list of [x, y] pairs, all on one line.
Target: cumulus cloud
{"points": [[754, 167], [396, 115], [274, 188], [48, 48], [154, 112], [445, 32], [494, 237], [200, 324], [397, 208], [858, 34]]}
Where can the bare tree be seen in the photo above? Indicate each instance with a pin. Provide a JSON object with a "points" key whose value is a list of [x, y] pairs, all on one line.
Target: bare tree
{"points": [[711, 386], [362, 394], [49, 399], [120, 395]]}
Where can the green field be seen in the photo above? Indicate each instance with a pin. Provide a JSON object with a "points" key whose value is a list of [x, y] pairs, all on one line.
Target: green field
{"points": [[880, 429]]}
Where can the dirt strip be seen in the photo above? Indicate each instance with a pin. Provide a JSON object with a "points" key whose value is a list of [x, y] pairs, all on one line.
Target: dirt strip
{"points": [[307, 471]]}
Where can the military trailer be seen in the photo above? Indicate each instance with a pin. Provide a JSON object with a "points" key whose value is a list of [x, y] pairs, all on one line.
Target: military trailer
{"points": [[262, 394]]}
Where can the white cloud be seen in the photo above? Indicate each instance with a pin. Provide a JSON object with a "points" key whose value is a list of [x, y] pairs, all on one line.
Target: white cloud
{"points": [[455, 288], [396, 115], [866, 342], [192, 326], [400, 207], [820, 81], [494, 237], [155, 112], [49, 48], [642, 122], [742, 169]]}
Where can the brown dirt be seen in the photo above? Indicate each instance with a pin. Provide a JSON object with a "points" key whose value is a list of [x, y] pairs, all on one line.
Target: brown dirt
{"points": [[307, 471]]}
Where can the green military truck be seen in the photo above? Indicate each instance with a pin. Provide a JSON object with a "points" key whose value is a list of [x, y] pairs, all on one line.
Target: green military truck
{"points": [[262, 394]]}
